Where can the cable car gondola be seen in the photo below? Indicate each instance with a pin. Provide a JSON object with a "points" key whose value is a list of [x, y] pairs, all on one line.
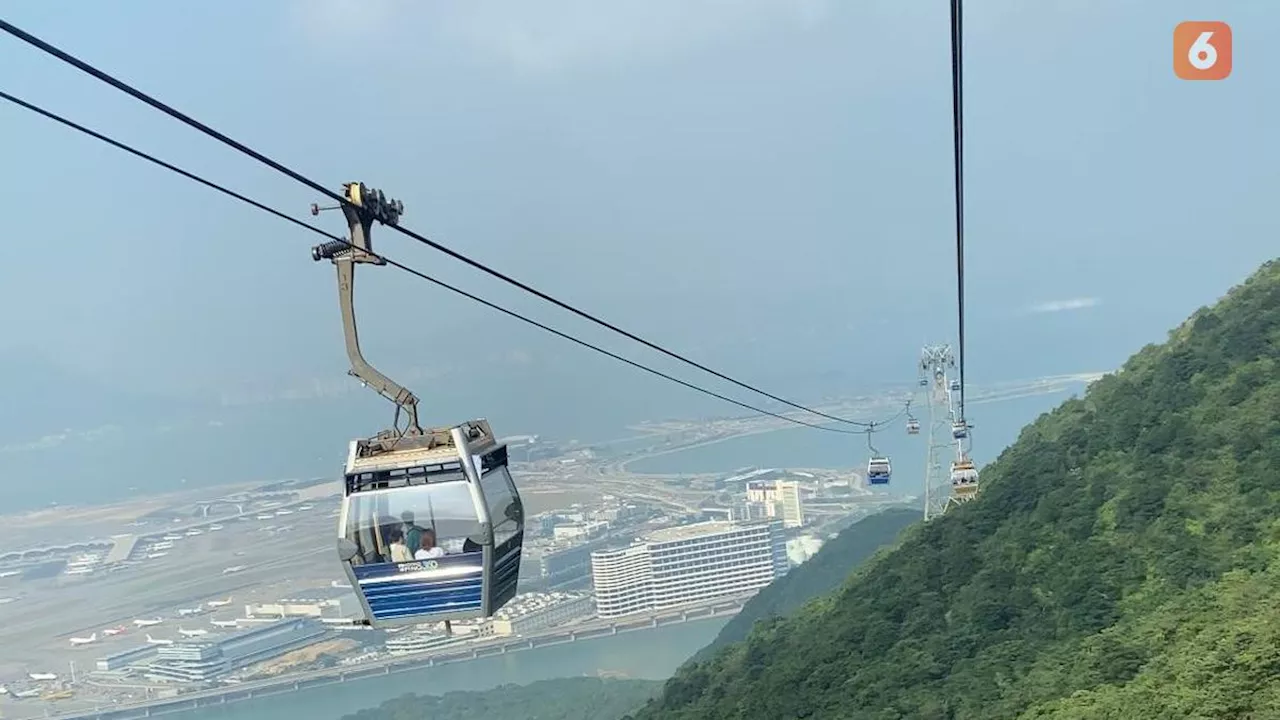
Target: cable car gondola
{"points": [[913, 427], [879, 471], [964, 479], [959, 430], [955, 386], [432, 525]]}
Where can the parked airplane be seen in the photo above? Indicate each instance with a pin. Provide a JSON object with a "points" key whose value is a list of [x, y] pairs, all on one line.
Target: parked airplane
{"points": [[192, 633], [115, 630], [85, 641], [185, 612], [148, 623], [223, 623], [42, 676], [158, 641], [215, 528], [24, 694], [233, 569], [219, 603]]}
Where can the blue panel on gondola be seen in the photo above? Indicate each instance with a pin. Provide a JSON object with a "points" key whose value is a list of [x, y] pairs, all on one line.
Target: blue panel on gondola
{"points": [[878, 479], [449, 584]]}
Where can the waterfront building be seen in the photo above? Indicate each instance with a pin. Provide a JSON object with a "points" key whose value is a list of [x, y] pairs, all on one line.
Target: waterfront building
{"points": [[539, 611], [687, 565]]}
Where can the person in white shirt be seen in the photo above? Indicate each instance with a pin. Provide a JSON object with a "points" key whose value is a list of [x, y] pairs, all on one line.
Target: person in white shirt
{"points": [[429, 548]]}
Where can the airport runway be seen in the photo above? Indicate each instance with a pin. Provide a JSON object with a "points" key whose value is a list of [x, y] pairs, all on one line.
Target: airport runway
{"points": [[35, 630]]}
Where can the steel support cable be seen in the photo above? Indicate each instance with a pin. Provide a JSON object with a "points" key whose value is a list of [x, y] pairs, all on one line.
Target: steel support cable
{"points": [[196, 124], [421, 275], [957, 114]]}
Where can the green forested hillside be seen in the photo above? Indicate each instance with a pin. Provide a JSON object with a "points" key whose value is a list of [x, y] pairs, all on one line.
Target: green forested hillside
{"points": [[582, 698], [818, 576], [1120, 563]]}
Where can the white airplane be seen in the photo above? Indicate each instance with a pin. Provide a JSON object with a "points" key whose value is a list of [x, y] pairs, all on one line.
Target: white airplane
{"points": [[24, 694], [223, 623], [10, 573], [148, 623], [158, 641], [184, 612], [114, 631], [215, 528], [304, 507], [219, 603], [85, 641], [233, 569], [192, 633], [42, 676]]}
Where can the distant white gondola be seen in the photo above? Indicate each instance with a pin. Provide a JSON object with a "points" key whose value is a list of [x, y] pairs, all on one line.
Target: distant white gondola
{"points": [[879, 471], [964, 478], [955, 386], [913, 427]]}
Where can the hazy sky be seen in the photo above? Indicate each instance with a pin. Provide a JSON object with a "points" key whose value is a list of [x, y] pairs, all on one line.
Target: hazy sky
{"points": [[764, 184]]}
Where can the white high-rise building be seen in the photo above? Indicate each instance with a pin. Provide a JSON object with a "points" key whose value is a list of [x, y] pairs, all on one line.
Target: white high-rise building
{"points": [[790, 507], [686, 565]]}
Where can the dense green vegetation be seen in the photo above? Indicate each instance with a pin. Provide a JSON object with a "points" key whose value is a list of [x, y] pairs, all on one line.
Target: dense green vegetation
{"points": [[581, 698], [1121, 563], [824, 572]]}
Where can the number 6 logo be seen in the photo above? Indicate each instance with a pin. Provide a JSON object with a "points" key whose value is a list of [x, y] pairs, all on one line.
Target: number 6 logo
{"points": [[1202, 50]]}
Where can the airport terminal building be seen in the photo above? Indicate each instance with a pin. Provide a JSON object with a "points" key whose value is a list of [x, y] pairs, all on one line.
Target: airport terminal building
{"points": [[196, 661], [686, 565]]}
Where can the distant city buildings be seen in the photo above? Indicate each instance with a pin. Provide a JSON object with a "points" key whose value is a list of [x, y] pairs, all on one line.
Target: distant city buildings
{"points": [[790, 507], [778, 499], [687, 564]]}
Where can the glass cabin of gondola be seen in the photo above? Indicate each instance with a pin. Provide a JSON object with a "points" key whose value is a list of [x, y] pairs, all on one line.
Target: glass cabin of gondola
{"points": [[955, 386], [959, 430], [879, 471], [431, 530], [913, 427]]}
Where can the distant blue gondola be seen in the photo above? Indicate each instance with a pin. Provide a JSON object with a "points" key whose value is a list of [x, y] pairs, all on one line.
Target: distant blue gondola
{"points": [[959, 430]]}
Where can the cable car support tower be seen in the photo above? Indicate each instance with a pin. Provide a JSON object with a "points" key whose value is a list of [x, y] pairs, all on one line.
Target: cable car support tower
{"points": [[950, 478], [935, 362]]}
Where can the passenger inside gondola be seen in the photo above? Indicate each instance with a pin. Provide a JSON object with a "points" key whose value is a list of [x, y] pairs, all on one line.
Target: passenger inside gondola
{"points": [[399, 551], [412, 533], [428, 548]]}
